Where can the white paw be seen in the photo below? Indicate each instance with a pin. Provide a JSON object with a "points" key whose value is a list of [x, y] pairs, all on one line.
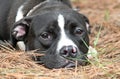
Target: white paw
{"points": [[92, 53], [21, 45]]}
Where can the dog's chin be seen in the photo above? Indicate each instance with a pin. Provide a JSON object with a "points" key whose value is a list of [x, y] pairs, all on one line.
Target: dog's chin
{"points": [[65, 65], [61, 62], [74, 64], [69, 64]]}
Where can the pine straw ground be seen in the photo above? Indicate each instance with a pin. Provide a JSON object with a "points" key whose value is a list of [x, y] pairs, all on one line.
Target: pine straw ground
{"points": [[104, 17]]}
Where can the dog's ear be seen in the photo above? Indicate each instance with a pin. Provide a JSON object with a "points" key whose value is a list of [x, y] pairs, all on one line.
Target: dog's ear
{"points": [[87, 23], [20, 30]]}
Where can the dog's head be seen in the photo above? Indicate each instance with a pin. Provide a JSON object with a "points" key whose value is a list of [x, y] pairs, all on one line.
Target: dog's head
{"points": [[60, 34]]}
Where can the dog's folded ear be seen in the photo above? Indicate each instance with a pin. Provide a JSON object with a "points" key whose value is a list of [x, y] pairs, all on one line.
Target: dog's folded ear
{"points": [[87, 23], [20, 30]]}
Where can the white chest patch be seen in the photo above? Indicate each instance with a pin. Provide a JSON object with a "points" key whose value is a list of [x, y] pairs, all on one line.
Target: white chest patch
{"points": [[19, 14], [64, 39]]}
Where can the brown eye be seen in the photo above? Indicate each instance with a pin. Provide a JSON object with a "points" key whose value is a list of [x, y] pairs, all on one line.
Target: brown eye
{"points": [[45, 36], [78, 31]]}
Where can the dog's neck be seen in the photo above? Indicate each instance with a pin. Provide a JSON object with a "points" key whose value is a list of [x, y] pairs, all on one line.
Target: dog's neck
{"points": [[50, 6], [36, 7]]}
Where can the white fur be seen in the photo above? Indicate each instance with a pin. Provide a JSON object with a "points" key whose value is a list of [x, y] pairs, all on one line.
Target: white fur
{"points": [[64, 39], [19, 13]]}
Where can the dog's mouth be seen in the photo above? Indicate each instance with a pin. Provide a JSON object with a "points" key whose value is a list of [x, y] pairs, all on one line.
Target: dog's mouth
{"points": [[69, 65], [72, 64]]}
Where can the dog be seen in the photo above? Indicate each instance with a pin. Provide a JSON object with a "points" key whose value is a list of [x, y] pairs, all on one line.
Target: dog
{"points": [[52, 27]]}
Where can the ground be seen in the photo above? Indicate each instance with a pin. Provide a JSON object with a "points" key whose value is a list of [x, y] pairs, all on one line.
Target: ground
{"points": [[104, 16]]}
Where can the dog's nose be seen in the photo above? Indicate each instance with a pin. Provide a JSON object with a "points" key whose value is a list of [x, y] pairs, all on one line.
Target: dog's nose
{"points": [[68, 51]]}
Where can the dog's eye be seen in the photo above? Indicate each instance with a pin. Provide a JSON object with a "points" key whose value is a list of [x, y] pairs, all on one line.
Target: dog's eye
{"points": [[78, 31], [45, 35]]}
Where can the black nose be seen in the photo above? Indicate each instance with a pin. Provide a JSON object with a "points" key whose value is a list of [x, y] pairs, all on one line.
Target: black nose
{"points": [[68, 51]]}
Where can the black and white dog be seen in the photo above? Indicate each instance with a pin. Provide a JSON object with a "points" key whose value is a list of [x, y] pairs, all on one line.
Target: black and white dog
{"points": [[50, 26]]}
